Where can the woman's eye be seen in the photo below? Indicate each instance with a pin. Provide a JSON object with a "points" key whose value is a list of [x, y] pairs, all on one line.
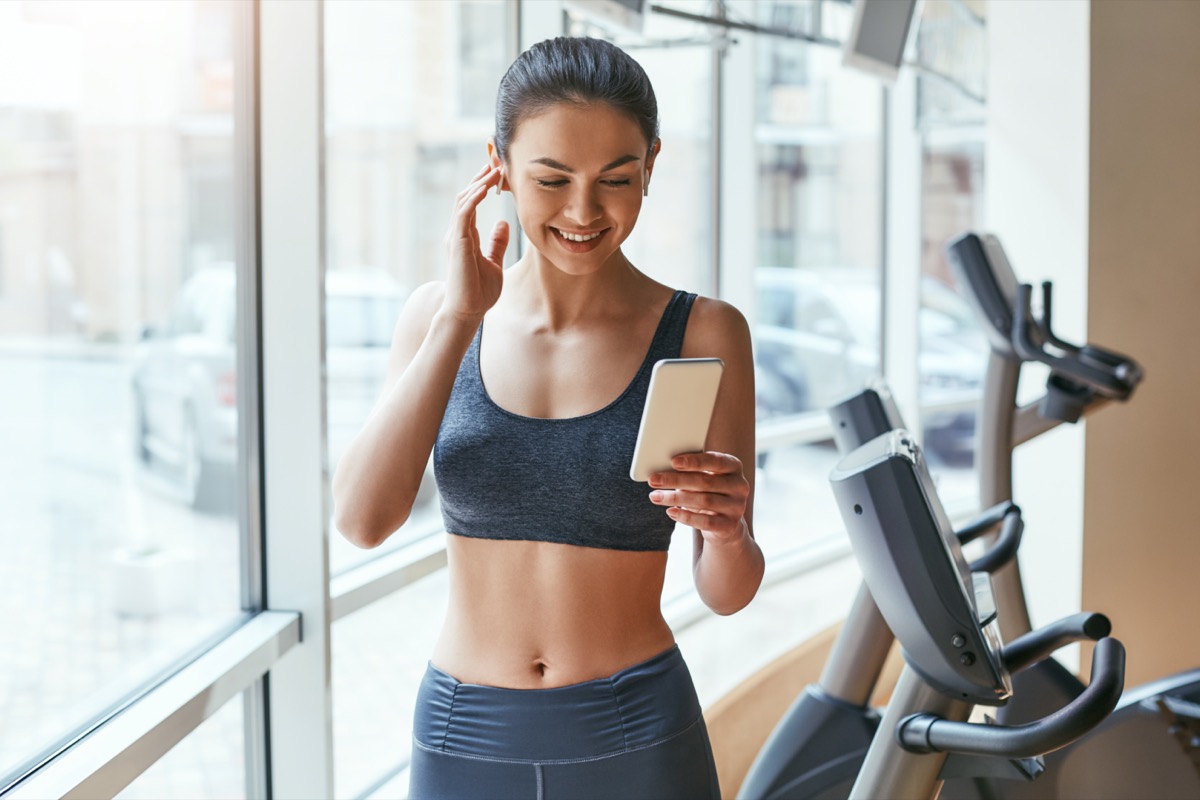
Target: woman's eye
{"points": [[563, 182]]}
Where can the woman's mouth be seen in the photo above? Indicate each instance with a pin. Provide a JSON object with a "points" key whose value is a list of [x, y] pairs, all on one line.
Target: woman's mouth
{"points": [[579, 241]]}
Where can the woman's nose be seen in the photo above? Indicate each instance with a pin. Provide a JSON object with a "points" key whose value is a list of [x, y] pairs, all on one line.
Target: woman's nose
{"points": [[583, 207]]}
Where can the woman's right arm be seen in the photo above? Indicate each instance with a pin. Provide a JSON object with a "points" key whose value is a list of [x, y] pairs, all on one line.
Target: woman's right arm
{"points": [[378, 475]]}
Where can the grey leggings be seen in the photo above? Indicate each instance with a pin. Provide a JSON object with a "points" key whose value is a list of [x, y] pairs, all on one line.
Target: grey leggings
{"points": [[637, 734]]}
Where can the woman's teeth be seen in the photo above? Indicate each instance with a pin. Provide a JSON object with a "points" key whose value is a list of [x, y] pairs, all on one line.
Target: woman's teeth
{"points": [[574, 237]]}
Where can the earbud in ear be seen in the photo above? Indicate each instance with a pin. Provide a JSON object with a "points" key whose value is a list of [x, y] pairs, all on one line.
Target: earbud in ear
{"points": [[646, 185]]}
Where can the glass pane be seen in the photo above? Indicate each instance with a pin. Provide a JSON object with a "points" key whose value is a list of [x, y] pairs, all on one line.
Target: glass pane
{"points": [[397, 151], [119, 547], [951, 42], [210, 762], [820, 205], [953, 351], [379, 656]]}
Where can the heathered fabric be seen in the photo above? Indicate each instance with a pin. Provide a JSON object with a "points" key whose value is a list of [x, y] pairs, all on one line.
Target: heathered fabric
{"points": [[506, 476]]}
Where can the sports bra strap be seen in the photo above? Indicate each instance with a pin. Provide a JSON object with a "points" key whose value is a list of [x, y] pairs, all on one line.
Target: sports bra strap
{"points": [[668, 340]]}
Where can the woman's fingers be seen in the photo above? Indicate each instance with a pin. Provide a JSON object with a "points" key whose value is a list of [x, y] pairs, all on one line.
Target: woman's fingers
{"points": [[708, 461], [468, 201], [719, 524], [705, 490], [478, 176], [499, 243], [702, 472], [464, 206], [463, 225], [699, 501], [473, 280]]}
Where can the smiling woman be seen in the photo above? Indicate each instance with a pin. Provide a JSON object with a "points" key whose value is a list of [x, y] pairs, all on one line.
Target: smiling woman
{"points": [[556, 558]]}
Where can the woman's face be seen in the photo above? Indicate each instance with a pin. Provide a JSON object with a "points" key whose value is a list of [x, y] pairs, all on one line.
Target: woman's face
{"points": [[577, 174]]}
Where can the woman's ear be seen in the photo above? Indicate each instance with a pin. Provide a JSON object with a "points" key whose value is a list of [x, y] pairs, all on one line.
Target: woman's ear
{"points": [[650, 159], [495, 160]]}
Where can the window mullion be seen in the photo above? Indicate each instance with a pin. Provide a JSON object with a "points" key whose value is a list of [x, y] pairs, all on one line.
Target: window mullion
{"points": [[296, 518]]}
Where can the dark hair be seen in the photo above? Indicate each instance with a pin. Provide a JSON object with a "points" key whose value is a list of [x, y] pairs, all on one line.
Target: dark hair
{"points": [[576, 70]]}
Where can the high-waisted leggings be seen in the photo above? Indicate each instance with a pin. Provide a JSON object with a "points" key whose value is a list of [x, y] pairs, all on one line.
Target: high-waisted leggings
{"points": [[637, 734]]}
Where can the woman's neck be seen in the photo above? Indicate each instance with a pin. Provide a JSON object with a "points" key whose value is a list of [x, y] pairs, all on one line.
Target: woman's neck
{"points": [[540, 288]]}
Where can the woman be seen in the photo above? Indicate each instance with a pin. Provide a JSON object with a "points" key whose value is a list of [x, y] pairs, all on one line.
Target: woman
{"points": [[555, 674]]}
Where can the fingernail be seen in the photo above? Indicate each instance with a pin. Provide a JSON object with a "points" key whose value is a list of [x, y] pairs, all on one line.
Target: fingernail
{"points": [[672, 512], [655, 480], [656, 496]]}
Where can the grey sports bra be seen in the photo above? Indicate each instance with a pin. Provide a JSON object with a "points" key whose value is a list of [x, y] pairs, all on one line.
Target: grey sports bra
{"points": [[506, 476]]}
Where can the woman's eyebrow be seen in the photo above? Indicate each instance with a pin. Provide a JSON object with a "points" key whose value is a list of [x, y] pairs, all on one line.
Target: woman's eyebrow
{"points": [[550, 162]]}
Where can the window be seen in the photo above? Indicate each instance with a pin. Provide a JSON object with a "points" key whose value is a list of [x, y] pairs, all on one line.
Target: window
{"points": [[476, 54], [817, 323], [122, 553], [952, 350]]}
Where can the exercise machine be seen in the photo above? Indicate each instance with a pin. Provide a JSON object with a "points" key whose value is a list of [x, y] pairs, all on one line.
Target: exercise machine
{"points": [[1150, 746], [945, 618], [817, 748]]}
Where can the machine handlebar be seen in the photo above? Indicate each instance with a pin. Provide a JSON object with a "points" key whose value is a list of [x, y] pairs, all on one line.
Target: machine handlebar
{"points": [[1037, 645], [1004, 549], [1106, 372], [929, 733], [984, 523]]}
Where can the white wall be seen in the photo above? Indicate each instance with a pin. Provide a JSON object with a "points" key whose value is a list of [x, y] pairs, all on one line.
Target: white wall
{"points": [[1037, 201]]}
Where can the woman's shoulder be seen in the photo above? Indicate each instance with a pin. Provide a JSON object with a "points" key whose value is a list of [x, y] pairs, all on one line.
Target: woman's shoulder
{"points": [[426, 299], [715, 326], [417, 315], [422, 303]]}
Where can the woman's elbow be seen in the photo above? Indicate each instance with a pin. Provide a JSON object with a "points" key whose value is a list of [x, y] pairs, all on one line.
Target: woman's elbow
{"points": [[729, 606], [360, 529]]}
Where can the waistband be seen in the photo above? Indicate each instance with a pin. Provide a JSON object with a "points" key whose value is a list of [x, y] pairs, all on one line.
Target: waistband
{"points": [[636, 707]]}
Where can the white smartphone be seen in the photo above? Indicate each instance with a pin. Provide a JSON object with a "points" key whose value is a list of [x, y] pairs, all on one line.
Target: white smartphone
{"points": [[679, 406]]}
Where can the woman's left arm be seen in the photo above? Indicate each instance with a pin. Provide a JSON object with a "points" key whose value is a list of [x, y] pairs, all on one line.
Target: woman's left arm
{"points": [[713, 491]]}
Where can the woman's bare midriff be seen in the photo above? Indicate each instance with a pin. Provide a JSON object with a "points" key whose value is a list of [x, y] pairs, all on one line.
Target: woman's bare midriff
{"points": [[538, 615]]}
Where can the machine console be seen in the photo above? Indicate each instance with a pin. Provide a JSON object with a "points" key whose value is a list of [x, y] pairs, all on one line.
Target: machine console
{"points": [[942, 614], [863, 416], [989, 284]]}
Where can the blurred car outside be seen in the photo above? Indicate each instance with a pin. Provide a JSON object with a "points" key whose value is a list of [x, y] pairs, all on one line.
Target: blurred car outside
{"points": [[816, 340], [184, 377]]}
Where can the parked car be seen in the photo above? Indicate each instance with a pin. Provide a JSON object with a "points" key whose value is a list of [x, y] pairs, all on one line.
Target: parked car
{"points": [[185, 376], [816, 339]]}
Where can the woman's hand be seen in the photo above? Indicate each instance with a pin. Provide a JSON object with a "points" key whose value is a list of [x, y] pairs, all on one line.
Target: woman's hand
{"points": [[706, 490], [474, 279]]}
